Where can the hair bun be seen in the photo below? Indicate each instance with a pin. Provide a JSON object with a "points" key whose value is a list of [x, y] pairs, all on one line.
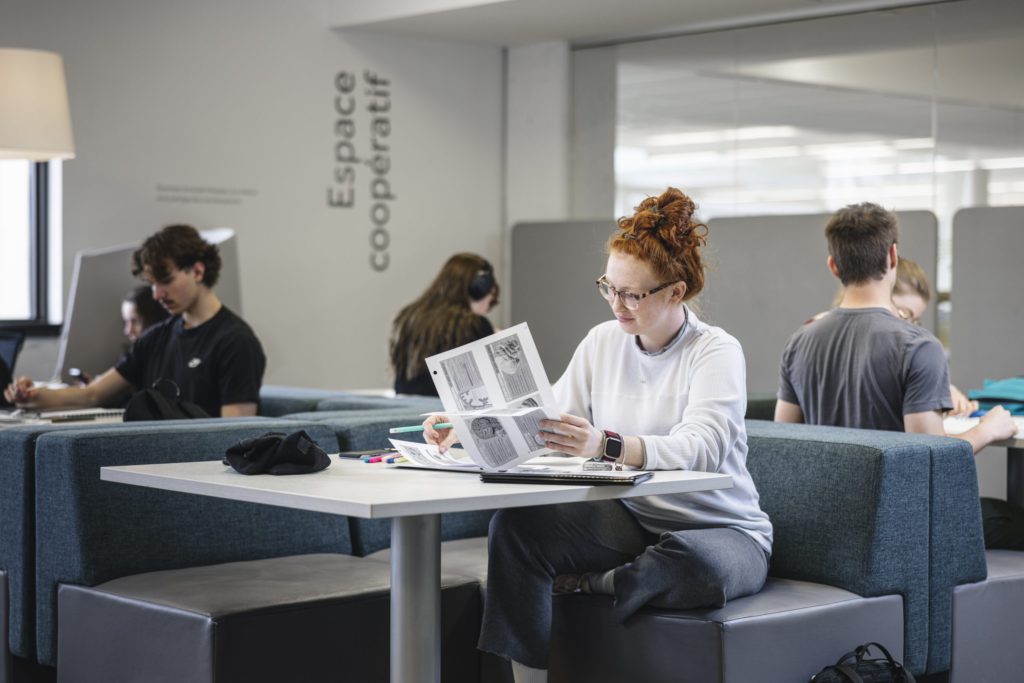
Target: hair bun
{"points": [[668, 218]]}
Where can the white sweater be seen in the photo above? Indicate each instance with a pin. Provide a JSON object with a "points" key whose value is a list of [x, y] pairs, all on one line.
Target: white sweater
{"points": [[687, 404]]}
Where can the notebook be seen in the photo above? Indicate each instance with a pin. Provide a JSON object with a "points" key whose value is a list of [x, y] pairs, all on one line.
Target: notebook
{"points": [[83, 415], [598, 478]]}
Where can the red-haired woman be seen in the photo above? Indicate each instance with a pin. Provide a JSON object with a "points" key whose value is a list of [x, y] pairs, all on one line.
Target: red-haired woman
{"points": [[656, 388]]}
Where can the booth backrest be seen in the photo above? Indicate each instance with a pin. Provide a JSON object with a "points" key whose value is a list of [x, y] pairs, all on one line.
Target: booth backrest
{"points": [[89, 531], [875, 513], [276, 401]]}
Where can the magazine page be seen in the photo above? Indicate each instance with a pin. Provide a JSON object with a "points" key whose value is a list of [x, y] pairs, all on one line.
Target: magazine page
{"points": [[495, 392], [427, 455]]}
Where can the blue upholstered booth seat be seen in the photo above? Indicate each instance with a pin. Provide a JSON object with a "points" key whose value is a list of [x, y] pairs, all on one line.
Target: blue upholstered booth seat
{"points": [[415, 404], [890, 519], [89, 531], [884, 512], [276, 401], [17, 529]]}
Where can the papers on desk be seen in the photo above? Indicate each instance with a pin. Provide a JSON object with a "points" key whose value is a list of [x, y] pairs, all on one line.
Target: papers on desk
{"points": [[552, 469], [959, 425], [426, 456], [495, 392]]}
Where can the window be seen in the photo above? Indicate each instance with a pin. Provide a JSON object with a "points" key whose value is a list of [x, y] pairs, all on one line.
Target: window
{"points": [[30, 282]]}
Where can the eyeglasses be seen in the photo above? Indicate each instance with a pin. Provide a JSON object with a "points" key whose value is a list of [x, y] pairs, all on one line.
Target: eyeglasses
{"points": [[629, 299]]}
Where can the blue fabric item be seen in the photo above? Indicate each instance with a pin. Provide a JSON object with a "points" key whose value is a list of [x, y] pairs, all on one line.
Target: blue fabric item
{"points": [[1010, 389], [89, 531], [1011, 407], [918, 533]]}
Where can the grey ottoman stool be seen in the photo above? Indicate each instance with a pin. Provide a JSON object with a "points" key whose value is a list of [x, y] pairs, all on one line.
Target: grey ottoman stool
{"points": [[787, 632], [987, 633], [304, 618]]}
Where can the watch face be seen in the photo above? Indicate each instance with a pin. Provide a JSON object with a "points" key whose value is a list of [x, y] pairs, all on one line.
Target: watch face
{"points": [[613, 446]]}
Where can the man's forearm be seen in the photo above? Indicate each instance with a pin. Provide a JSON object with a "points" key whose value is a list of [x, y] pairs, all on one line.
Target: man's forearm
{"points": [[978, 437]]}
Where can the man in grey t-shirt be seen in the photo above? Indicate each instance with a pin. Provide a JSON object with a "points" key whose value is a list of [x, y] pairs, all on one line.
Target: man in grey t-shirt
{"points": [[837, 380], [861, 365]]}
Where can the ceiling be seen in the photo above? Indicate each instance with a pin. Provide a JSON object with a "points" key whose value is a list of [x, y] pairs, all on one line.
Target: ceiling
{"points": [[883, 89], [581, 22]]}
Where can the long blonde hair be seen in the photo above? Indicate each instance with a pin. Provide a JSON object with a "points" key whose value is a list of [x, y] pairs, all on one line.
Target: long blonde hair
{"points": [[440, 319]]}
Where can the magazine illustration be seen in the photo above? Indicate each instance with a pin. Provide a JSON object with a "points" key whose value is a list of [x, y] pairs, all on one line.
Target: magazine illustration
{"points": [[495, 392]]}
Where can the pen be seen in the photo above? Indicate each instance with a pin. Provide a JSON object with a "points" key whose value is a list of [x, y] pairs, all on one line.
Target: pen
{"points": [[360, 455], [376, 458], [395, 459], [419, 428]]}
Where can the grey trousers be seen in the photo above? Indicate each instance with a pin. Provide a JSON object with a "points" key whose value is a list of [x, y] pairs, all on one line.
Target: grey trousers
{"points": [[529, 547]]}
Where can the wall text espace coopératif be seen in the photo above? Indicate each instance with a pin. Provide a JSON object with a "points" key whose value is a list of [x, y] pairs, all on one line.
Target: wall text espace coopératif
{"points": [[341, 194]]}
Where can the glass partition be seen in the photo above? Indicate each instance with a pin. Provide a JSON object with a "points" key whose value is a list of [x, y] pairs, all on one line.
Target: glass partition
{"points": [[917, 108]]}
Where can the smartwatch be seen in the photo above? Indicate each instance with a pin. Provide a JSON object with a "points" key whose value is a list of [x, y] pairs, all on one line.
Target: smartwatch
{"points": [[612, 447]]}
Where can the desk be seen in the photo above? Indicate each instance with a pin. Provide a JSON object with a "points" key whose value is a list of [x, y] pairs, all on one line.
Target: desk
{"points": [[414, 500], [1014, 454]]}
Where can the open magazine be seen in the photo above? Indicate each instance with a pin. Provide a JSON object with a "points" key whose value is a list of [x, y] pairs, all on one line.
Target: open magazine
{"points": [[495, 393]]}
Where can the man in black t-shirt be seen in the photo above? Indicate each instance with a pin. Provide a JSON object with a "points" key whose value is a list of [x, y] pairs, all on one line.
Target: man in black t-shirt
{"points": [[208, 352]]}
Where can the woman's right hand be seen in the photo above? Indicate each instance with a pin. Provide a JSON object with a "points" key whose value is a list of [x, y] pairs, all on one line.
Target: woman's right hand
{"points": [[20, 392], [442, 438]]}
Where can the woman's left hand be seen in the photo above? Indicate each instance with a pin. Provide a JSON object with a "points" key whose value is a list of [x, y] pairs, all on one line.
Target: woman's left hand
{"points": [[572, 435]]}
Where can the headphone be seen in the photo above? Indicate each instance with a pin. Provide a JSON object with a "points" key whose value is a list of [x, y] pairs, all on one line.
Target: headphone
{"points": [[483, 283]]}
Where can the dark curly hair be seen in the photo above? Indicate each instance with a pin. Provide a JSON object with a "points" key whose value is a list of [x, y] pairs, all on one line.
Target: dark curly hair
{"points": [[663, 234], [181, 246], [148, 310]]}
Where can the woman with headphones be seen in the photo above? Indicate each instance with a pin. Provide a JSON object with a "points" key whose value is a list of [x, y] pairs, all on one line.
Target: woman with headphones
{"points": [[448, 314]]}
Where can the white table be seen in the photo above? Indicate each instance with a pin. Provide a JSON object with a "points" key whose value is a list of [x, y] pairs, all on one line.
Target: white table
{"points": [[414, 500]]}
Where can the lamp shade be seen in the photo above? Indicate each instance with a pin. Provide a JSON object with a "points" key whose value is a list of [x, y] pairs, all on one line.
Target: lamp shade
{"points": [[35, 123]]}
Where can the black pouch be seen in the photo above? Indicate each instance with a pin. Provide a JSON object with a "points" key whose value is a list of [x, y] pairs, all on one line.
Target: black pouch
{"points": [[277, 453], [155, 404], [856, 667]]}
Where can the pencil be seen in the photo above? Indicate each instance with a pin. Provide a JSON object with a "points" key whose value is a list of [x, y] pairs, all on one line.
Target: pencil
{"points": [[418, 428]]}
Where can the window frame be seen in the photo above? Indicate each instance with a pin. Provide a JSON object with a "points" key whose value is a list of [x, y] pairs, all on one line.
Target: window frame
{"points": [[39, 237]]}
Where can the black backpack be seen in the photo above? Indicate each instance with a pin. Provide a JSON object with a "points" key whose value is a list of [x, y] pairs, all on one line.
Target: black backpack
{"points": [[855, 667], [155, 404]]}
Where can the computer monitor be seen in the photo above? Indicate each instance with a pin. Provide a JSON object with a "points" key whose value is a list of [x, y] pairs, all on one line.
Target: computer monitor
{"points": [[92, 337]]}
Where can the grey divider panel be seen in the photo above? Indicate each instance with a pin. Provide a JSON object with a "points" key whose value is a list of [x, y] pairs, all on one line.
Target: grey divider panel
{"points": [[767, 275], [554, 266], [987, 316]]}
